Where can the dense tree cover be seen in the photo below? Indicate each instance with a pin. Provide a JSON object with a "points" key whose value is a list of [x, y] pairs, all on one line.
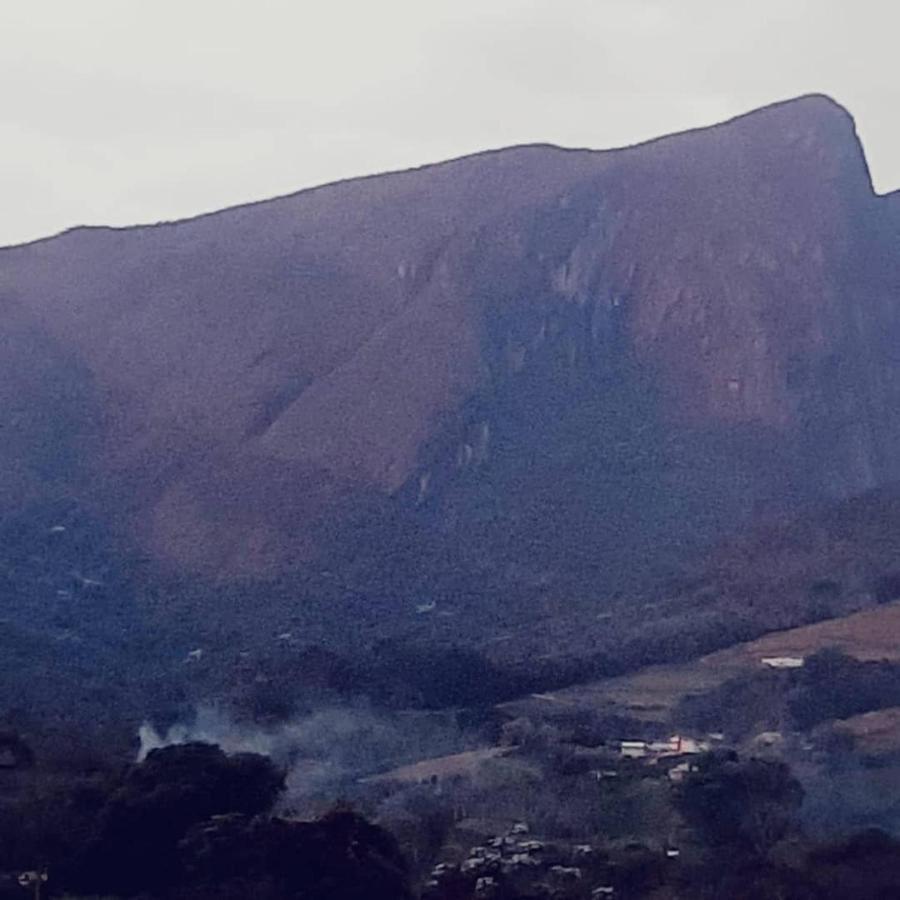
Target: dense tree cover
{"points": [[438, 677], [45, 819], [191, 821], [117, 636], [740, 840], [135, 843], [750, 804], [741, 706], [864, 866], [833, 685], [830, 685], [339, 857]]}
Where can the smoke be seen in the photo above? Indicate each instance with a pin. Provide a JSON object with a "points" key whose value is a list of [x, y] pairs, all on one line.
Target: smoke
{"points": [[212, 726], [325, 750]]}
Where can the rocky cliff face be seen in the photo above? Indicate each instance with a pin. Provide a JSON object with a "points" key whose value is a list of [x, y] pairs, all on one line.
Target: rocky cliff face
{"points": [[532, 352]]}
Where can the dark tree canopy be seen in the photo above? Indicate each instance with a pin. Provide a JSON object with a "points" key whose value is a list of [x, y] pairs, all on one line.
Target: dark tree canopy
{"points": [[158, 800], [751, 803], [339, 857], [833, 685]]}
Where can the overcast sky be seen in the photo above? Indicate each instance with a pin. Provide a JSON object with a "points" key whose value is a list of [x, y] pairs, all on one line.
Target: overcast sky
{"points": [[124, 111]]}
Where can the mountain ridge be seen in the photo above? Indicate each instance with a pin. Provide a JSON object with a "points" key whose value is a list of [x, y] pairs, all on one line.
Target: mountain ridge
{"points": [[811, 97], [245, 373]]}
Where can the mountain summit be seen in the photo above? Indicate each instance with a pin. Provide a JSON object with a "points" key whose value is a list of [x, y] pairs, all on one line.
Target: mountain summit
{"points": [[530, 360]]}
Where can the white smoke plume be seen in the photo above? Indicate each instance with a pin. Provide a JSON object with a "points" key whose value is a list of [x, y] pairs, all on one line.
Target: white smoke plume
{"points": [[212, 726], [324, 749]]}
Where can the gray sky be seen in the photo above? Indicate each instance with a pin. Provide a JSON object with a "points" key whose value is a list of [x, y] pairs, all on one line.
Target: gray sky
{"points": [[124, 111]]}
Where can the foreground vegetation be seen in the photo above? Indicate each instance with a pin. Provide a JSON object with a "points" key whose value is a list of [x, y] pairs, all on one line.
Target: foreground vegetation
{"points": [[193, 822], [189, 821]]}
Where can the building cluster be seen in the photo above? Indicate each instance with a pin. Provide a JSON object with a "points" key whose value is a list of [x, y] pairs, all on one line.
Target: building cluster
{"points": [[675, 755], [518, 859], [676, 745]]}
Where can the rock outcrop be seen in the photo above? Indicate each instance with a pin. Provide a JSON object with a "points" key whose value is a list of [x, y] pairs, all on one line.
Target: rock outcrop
{"points": [[529, 350]]}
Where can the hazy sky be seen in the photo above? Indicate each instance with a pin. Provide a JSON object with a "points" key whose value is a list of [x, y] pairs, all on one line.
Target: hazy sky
{"points": [[123, 111]]}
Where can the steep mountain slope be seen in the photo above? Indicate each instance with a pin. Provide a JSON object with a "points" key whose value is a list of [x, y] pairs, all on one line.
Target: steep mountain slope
{"points": [[532, 362]]}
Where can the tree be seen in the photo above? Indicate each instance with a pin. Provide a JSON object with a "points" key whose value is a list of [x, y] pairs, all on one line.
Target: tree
{"points": [[749, 803], [157, 801], [338, 857], [865, 866]]}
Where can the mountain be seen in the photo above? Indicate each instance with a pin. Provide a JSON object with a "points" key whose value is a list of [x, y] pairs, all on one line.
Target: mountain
{"points": [[529, 372]]}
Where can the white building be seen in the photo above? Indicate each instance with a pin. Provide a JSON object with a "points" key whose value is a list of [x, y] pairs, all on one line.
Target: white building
{"points": [[783, 662], [634, 749], [678, 744]]}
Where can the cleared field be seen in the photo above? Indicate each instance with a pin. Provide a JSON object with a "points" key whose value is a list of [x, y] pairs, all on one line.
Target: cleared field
{"points": [[870, 634], [876, 733], [647, 695], [650, 694], [440, 766]]}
